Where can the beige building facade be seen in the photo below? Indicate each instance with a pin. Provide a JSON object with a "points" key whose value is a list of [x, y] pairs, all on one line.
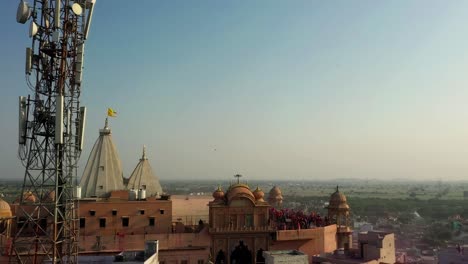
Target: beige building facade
{"points": [[239, 225]]}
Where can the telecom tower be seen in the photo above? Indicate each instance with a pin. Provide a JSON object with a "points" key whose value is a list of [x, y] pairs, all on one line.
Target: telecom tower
{"points": [[51, 126]]}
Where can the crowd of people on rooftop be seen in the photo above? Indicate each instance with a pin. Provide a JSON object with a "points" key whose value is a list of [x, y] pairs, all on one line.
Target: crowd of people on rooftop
{"points": [[289, 219]]}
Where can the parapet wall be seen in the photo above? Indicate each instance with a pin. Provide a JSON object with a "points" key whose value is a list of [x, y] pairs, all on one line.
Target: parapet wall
{"points": [[310, 241], [299, 234]]}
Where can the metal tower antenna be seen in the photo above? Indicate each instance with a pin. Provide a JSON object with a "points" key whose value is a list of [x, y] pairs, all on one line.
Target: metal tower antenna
{"points": [[51, 128]]}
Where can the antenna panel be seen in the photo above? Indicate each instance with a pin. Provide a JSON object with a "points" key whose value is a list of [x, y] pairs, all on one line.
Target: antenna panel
{"points": [[89, 18], [57, 14], [59, 120], [69, 118], [79, 63], [28, 66], [81, 127], [22, 120]]}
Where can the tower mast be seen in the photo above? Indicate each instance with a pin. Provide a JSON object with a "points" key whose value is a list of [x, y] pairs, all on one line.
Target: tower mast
{"points": [[51, 127]]}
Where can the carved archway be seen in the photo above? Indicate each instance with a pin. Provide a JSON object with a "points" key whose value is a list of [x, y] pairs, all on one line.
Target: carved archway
{"points": [[241, 254]]}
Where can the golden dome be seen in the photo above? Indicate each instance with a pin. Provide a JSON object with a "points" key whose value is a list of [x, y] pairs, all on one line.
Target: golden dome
{"points": [[218, 194], [50, 197], [240, 190], [338, 200], [275, 194], [5, 209], [28, 197], [258, 194]]}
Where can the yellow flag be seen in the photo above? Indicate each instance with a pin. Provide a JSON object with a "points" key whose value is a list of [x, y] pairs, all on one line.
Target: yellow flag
{"points": [[111, 112]]}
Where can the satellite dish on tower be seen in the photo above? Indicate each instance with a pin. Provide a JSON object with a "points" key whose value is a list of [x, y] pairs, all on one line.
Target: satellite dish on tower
{"points": [[32, 29], [77, 9], [23, 13]]}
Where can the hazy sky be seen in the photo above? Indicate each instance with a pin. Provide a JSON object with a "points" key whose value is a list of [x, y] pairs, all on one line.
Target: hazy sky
{"points": [[268, 89]]}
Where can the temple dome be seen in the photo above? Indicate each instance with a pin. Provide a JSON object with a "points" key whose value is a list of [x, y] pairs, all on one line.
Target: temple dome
{"points": [[275, 196], [218, 194], [275, 192], [259, 194], [239, 190], [50, 196], [28, 197], [143, 177], [338, 200], [5, 209]]}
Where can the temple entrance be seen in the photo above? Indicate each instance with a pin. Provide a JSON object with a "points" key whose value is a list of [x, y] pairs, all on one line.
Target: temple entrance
{"points": [[220, 257], [241, 254]]}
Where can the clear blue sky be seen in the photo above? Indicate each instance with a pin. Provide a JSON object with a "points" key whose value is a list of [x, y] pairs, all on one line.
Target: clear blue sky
{"points": [[281, 89]]}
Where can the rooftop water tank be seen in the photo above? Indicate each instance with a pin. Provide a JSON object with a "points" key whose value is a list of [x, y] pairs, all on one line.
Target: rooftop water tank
{"points": [[132, 195], [77, 192], [142, 194]]}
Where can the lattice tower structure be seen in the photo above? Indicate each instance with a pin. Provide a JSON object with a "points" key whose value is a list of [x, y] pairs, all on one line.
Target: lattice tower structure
{"points": [[52, 133]]}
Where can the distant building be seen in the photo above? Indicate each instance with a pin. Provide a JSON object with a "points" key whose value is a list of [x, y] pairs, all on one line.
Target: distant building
{"points": [[374, 248], [375, 245], [453, 255]]}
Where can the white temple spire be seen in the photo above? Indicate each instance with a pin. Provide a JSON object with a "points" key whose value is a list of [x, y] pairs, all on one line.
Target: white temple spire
{"points": [[143, 177], [103, 171]]}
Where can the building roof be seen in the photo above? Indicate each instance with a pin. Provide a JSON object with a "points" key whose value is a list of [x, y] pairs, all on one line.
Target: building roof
{"points": [[373, 236], [189, 209], [143, 177], [103, 171]]}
